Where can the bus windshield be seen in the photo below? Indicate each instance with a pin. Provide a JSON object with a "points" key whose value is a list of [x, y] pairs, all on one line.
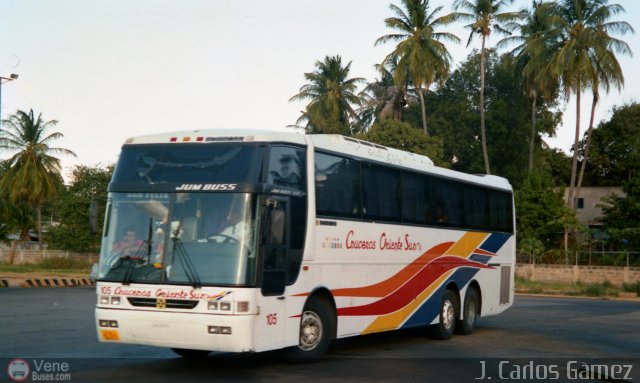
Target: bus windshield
{"points": [[182, 164], [180, 238]]}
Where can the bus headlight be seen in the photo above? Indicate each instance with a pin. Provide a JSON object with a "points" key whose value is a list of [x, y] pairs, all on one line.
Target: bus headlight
{"points": [[225, 306], [217, 330], [104, 300], [115, 300], [108, 323], [212, 305]]}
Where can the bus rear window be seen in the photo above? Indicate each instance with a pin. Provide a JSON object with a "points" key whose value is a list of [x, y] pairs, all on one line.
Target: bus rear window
{"points": [[189, 163]]}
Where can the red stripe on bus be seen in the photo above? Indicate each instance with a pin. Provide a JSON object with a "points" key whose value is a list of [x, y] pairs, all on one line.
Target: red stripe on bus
{"points": [[404, 295]]}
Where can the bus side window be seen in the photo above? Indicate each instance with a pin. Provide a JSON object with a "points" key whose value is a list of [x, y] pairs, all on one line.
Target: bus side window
{"points": [[286, 167], [337, 186]]}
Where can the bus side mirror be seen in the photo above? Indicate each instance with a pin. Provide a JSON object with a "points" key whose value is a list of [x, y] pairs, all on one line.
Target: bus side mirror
{"points": [[93, 217], [276, 228]]}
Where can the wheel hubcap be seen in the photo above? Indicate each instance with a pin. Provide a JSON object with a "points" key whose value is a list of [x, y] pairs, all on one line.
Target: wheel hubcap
{"points": [[448, 314], [310, 330], [471, 312]]}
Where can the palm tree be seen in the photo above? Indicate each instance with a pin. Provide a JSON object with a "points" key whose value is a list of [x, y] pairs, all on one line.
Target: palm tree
{"points": [[606, 73], [331, 95], [383, 98], [535, 23], [421, 52], [15, 216], [580, 51], [34, 173], [486, 16]]}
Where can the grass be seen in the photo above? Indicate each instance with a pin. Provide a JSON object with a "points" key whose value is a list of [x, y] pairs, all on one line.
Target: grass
{"points": [[49, 265], [604, 289]]}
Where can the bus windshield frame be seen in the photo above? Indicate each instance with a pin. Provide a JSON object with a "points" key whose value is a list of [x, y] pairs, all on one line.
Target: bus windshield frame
{"points": [[198, 239]]}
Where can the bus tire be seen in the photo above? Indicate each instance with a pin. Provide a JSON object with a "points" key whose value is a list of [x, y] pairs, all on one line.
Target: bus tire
{"points": [[471, 306], [447, 316], [317, 326], [191, 354]]}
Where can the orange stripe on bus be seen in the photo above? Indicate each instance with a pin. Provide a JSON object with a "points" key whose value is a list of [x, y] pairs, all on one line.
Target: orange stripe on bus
{"points": [[467, 244]]}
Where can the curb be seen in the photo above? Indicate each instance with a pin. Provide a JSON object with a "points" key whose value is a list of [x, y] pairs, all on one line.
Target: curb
{"points": [[55, 282], [564, 296]]}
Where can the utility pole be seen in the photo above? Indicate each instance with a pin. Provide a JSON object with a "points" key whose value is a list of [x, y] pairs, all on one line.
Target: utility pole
{"points": [[3, 79]]}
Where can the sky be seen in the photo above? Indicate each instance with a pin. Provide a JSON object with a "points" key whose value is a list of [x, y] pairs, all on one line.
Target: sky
{"points": [[107, 70]]}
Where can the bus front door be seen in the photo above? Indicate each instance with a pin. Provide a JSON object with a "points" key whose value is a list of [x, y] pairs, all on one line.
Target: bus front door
{"points": [[275, 254]]}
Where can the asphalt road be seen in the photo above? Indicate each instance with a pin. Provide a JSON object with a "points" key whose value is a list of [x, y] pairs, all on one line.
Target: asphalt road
{"points": [[538, 337]]}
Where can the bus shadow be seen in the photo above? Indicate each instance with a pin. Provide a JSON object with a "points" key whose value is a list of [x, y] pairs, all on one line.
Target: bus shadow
{"points": [[380, 357]]}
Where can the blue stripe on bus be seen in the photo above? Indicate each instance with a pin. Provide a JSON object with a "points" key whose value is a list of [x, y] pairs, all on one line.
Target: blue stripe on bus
{"points": [[495, 242], [429, 310], [480, 258]]}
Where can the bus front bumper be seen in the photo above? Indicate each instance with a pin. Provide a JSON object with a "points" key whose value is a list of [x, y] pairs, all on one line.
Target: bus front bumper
{"points": [[226, 333]]}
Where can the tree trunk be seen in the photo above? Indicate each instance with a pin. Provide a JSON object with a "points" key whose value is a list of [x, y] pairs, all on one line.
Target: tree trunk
{"points": [[423, 108], [533, 130], [566, 245], [39, 209], [483, 135], [25, 238], [574, 163], [587, 145], [12, 252]]}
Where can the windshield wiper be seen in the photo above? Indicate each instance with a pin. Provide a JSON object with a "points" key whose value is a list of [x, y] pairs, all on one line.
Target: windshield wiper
{"points": [[126, 279], [149, 240], [185, 259]]}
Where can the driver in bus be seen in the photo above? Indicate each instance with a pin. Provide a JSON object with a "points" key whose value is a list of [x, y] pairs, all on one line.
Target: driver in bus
{"points": [[130, 246], [237, 226]]}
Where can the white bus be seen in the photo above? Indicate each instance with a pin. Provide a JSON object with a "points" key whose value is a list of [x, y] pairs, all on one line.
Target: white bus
{"points": [[247, 241]]}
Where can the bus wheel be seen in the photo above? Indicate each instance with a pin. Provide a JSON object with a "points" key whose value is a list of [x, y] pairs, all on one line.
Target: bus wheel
{"points": [[470, 314], [191, 354], [317, 326], [447, 317]]}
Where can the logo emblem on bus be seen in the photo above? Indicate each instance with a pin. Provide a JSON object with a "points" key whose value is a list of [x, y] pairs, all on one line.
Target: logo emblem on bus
{"points": [[161, 303]]}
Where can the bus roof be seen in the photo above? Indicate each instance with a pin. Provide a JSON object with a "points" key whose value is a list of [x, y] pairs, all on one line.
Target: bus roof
{"points": [[330, 142], [221, 135]]}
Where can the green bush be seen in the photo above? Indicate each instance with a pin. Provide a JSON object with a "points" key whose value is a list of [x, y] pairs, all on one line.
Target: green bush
{"points": [[631, 287], [599, 290], [553, 256]]}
